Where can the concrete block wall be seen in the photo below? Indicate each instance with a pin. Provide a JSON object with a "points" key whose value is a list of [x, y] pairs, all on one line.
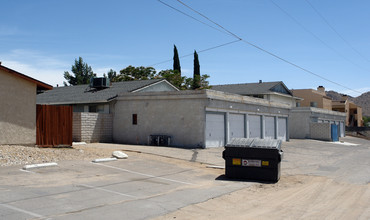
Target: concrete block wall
{"points": [[320, 131], [92, 127]]}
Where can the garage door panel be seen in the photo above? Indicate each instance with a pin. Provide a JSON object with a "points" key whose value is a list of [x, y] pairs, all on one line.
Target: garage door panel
{"points": [[254, 126], [215, 130], [269, 127], [282, 128], [342, 129], [236, 126]]}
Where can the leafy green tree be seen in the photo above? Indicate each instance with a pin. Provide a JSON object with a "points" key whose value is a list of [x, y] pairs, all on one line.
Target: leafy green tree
{"points": [[366, 121], [112, 75], [174, 77], [176, 60], [82, 73], [204, 84], [196, 75], [136, 73]]}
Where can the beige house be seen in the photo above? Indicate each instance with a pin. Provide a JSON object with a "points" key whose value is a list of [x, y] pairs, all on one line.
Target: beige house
{"points": [[18, 107], [317, 98], [353, 111], [313, 98]]}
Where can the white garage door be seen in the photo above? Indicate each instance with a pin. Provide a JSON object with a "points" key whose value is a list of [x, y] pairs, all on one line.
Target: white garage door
{"points": [[236, 126], [254, 126], [282, 129], [341, 128], [269, 127], [215, 130]]}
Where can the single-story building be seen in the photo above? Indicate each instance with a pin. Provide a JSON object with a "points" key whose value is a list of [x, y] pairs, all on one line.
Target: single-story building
{"points": [[201, 118], [314, 123], [135, 112], [18, 107], [93, 104]]}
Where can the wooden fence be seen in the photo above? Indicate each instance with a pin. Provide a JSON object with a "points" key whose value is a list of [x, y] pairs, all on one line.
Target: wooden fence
{"points": [[53, 126]]}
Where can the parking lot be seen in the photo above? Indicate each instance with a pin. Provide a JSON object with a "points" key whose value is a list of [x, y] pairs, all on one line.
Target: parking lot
{"points": [[318, 179], [142, 186]]}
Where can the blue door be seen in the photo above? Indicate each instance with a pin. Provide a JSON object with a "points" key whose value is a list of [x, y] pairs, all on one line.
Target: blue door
{"points": [[334, 132]]}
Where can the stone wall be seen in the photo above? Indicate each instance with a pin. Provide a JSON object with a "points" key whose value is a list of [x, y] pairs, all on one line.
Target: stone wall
{"points": [[320, 131], [92, 127]]}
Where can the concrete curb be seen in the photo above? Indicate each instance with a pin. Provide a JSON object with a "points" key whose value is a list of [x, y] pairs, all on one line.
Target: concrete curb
{"points": [[32, 166], [100, 160]]}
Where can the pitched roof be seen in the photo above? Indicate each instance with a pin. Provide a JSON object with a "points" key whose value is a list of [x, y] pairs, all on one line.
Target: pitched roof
{"points": [[86, 94], [40, 85], [254, 88]]}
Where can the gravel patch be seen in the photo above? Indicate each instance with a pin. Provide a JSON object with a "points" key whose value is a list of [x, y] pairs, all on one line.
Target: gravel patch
{"points": [[21, 155]]}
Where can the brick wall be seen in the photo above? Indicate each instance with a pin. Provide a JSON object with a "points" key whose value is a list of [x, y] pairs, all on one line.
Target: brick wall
{"points": [[320, 131], [92, 127]]}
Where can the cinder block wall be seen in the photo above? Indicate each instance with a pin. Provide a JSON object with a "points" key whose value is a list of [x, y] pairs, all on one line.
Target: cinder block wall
{"points": [[320, 131], [92, 127]]}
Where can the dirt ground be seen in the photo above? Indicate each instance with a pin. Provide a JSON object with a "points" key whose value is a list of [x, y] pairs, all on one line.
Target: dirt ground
{"points": [[293, 197]]}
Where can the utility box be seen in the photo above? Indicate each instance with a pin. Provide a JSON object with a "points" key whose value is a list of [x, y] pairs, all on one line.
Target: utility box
{"points": [[253, 159], [159, 140]]}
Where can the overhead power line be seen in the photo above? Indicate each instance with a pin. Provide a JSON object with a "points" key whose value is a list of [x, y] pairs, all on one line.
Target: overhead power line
{"points": [[318, 38], [258, 47], [335, 31], [200, 51], [187, 15]]}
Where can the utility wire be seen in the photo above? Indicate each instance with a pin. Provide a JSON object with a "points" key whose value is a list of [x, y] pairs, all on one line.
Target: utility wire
{"points": [[200, 51], [231, 33], [260, 48], [315, 36], [335, 31], [190, 16]]}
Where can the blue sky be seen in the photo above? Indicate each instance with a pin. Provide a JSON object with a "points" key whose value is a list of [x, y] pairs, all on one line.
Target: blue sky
{"points": [[42, 38]]}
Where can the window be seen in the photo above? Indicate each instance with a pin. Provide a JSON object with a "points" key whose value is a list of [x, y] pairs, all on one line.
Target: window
{"points": [[134, 119], [297, 104], [313, 104], [96, 108]]}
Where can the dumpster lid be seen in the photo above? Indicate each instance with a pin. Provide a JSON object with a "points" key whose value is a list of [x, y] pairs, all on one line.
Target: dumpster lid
{"points": [[255, 143]]}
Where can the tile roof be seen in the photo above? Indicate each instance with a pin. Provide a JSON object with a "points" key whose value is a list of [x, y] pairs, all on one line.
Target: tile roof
{"points": [[249, 88], [86, 94]]}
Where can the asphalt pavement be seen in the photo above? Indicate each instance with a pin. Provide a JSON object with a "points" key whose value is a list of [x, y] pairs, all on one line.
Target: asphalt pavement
{"points": [[155, 181]]}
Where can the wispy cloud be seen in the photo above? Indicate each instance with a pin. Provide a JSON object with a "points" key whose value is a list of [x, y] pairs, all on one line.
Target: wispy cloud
{"points": [[34, 64]]}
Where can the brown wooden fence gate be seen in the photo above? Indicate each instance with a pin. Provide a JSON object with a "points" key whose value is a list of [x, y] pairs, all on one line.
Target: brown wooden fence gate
{"points": [[53, 125]]}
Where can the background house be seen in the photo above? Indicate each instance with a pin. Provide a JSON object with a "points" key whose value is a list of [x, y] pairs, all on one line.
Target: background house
{"points": [[353, 112], [18, 107], [94, 104], [313, 116], [313, 98], [319, 99], [271, 91]]}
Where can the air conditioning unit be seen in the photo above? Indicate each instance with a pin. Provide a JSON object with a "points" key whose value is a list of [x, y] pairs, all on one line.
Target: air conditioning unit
{"points": [[99, 82]]}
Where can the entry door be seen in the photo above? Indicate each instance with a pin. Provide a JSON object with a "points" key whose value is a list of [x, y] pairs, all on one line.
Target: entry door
{"points": [[282, 129], [254, 126], [236, 126], [269, 127], [215, 130]]}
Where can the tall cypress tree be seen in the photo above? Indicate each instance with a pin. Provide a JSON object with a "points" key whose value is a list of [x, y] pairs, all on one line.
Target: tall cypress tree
{"points": [[176, 60], [196, 75]]}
